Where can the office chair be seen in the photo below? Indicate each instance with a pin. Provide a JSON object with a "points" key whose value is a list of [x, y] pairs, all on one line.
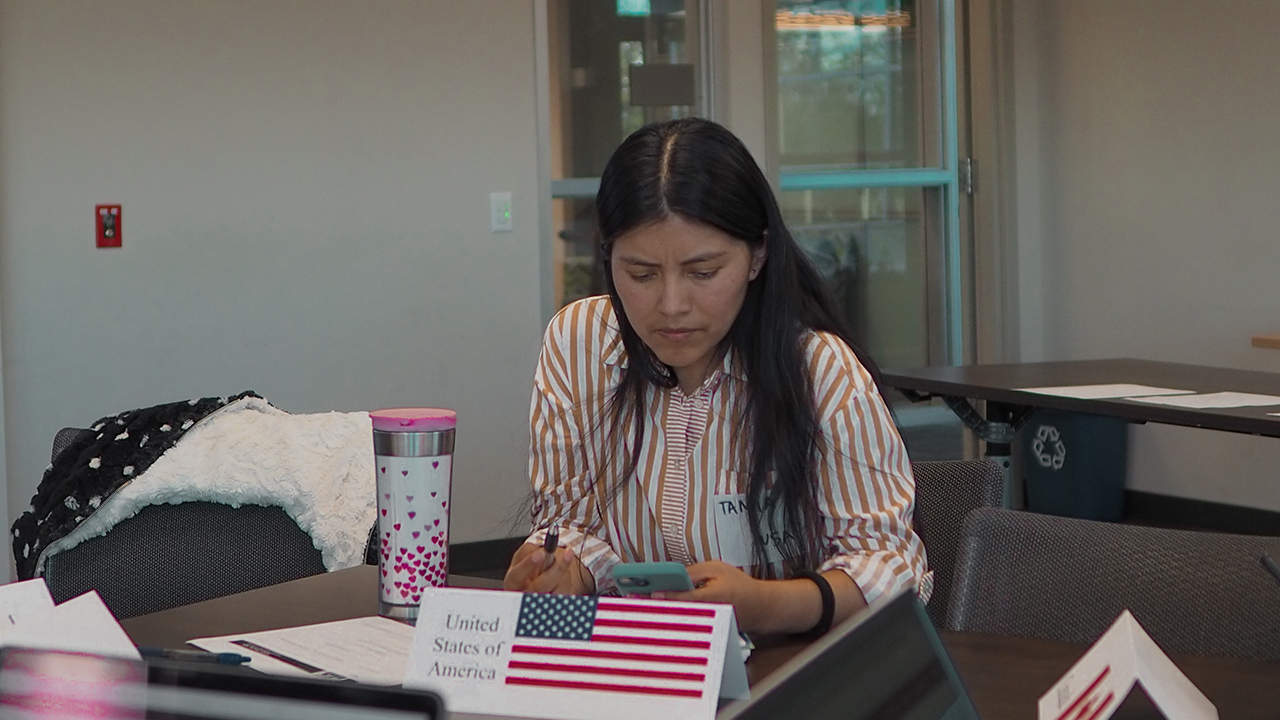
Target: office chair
{"points": [[946, 491], [170, 555], [1062, 578]]}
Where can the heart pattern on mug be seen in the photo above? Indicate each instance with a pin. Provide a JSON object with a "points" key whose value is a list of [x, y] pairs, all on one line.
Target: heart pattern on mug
{"points": [[411, 523]]}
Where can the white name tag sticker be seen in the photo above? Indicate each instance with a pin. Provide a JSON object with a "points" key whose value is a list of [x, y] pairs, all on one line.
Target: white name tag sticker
{"points": [[734, 537], [575, 658]]}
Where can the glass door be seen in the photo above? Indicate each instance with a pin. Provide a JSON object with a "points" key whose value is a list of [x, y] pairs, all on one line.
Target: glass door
{"points": [[614, 65], [867, 149]]}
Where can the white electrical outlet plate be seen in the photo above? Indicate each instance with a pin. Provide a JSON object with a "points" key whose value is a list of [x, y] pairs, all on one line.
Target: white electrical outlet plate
{"points": [[500, 212]]}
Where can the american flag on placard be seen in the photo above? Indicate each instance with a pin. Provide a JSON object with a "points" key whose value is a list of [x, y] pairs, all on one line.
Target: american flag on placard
{"points": [[627, 646], [1093, 701]]}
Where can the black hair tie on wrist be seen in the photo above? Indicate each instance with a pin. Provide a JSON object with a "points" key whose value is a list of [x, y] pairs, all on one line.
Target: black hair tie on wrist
{"points": [[828, 604]]}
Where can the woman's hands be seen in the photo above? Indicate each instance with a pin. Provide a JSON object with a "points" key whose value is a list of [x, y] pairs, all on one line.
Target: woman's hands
{"points": [[768, 606], [532, 570], [719, 582]]}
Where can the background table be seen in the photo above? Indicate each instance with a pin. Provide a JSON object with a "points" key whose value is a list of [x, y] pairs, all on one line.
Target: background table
{"points": [[1008, 406], [1005, 675]]}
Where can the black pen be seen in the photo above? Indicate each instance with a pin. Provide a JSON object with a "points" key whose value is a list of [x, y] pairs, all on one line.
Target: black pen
{"points": [[550, 544], [225, 658]]}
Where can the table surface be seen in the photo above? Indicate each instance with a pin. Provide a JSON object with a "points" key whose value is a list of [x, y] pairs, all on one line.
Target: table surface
{"points": [[1004, 675], [1000, 383]]}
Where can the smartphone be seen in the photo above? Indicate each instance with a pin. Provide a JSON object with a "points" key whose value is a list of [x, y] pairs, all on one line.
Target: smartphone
{"points": [[649, 577]]}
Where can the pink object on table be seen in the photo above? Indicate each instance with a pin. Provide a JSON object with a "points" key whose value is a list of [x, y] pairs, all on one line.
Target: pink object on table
{"points": [[414, 419]]}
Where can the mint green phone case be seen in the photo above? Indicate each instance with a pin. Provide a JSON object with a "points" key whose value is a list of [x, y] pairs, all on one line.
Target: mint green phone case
{"points": [[645, 578]]}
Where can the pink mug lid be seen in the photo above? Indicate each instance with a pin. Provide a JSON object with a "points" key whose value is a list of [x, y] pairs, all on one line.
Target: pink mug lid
{"points": [[414, 419]]}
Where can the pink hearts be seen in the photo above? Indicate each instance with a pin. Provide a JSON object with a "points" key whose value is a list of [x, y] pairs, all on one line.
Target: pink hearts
{"points": [[412, 514], [398, 583], [387, 496], [404, 473], [396, 526], [384, 471], [416, 534], [384, 513], [408, 498], [421, 549], [433, 494], [416, 598], [404, 592], [384, 573], [437, 524], [435, 464], [444, 504]]}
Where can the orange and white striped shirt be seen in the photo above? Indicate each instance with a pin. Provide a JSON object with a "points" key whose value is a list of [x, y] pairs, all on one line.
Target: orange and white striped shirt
{"points": [[693, 463]]}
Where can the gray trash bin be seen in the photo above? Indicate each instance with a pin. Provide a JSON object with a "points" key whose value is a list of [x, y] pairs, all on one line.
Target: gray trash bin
{"points": [[1074, 464]]}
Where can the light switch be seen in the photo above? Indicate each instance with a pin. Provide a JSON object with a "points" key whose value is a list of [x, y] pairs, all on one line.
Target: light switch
{"points": [[500, 212]]}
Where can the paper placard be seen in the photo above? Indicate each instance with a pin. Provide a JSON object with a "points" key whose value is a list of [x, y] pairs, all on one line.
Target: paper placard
{"points": [[575, 658], [20, 599], [82, 624], [1096, 685]]}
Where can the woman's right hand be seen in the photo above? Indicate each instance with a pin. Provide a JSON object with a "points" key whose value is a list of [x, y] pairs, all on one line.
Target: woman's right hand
{"points": [[532, 570]]}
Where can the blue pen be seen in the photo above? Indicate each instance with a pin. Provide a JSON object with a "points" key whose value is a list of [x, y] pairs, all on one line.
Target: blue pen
{"points": [[225, 658]]}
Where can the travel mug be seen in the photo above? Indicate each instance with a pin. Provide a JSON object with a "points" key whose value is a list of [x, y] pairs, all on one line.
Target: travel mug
{"points": [[413, 453]]}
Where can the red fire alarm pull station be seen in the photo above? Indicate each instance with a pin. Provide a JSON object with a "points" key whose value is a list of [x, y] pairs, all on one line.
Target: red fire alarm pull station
{"points": [[108, 224]]}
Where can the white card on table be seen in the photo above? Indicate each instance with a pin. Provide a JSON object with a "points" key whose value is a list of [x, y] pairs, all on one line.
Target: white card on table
{"points": [[1100, 680], [575, 658], [82, 624], [20, 599]]}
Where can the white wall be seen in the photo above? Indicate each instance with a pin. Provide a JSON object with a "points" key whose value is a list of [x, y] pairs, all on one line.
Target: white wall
{"points": [[1147, 213], [305, 187]]}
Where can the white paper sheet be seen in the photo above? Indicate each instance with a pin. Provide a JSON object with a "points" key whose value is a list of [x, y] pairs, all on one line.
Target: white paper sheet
{"points": [[1210, 401], [81, 624], [1103, 392], [371, 650], [20, 599]]}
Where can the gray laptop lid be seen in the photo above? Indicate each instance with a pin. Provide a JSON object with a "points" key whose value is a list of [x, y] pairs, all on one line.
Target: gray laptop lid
{"points": [[886, 663]]}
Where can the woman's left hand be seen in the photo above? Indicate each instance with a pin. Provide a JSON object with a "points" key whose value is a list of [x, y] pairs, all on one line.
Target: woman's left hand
{"points": [[719, 582], [769, 606]]}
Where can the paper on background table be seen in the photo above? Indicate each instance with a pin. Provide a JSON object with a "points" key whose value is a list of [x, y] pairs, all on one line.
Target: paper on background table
{"points": [[81, 624], [1103, 392], [1212, 400], [371, 650]]}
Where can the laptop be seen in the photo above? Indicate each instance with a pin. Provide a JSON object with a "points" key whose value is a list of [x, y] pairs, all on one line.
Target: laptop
{"points": [[44, 684], [885, 663]]}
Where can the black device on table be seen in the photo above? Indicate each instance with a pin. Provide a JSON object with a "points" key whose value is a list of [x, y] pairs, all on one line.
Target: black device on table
{"points": [[32, 681], [887, 662]]}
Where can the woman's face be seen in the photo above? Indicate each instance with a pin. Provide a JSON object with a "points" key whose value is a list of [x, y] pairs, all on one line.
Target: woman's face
{"points": [[682, 284]]}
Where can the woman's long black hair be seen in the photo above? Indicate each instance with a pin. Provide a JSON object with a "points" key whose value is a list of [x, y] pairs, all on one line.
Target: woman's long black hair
{"points": [[697, 170]]}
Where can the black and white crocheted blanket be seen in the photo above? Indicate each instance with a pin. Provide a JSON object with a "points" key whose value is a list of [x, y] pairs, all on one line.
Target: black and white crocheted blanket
{"points": [[87, 472]]}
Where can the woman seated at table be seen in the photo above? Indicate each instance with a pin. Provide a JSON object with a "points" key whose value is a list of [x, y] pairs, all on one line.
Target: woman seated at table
{"points": [[711, 409]]}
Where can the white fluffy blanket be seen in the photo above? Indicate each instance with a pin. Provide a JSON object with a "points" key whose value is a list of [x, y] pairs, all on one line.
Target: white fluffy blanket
{"points": [[319, 468]]}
